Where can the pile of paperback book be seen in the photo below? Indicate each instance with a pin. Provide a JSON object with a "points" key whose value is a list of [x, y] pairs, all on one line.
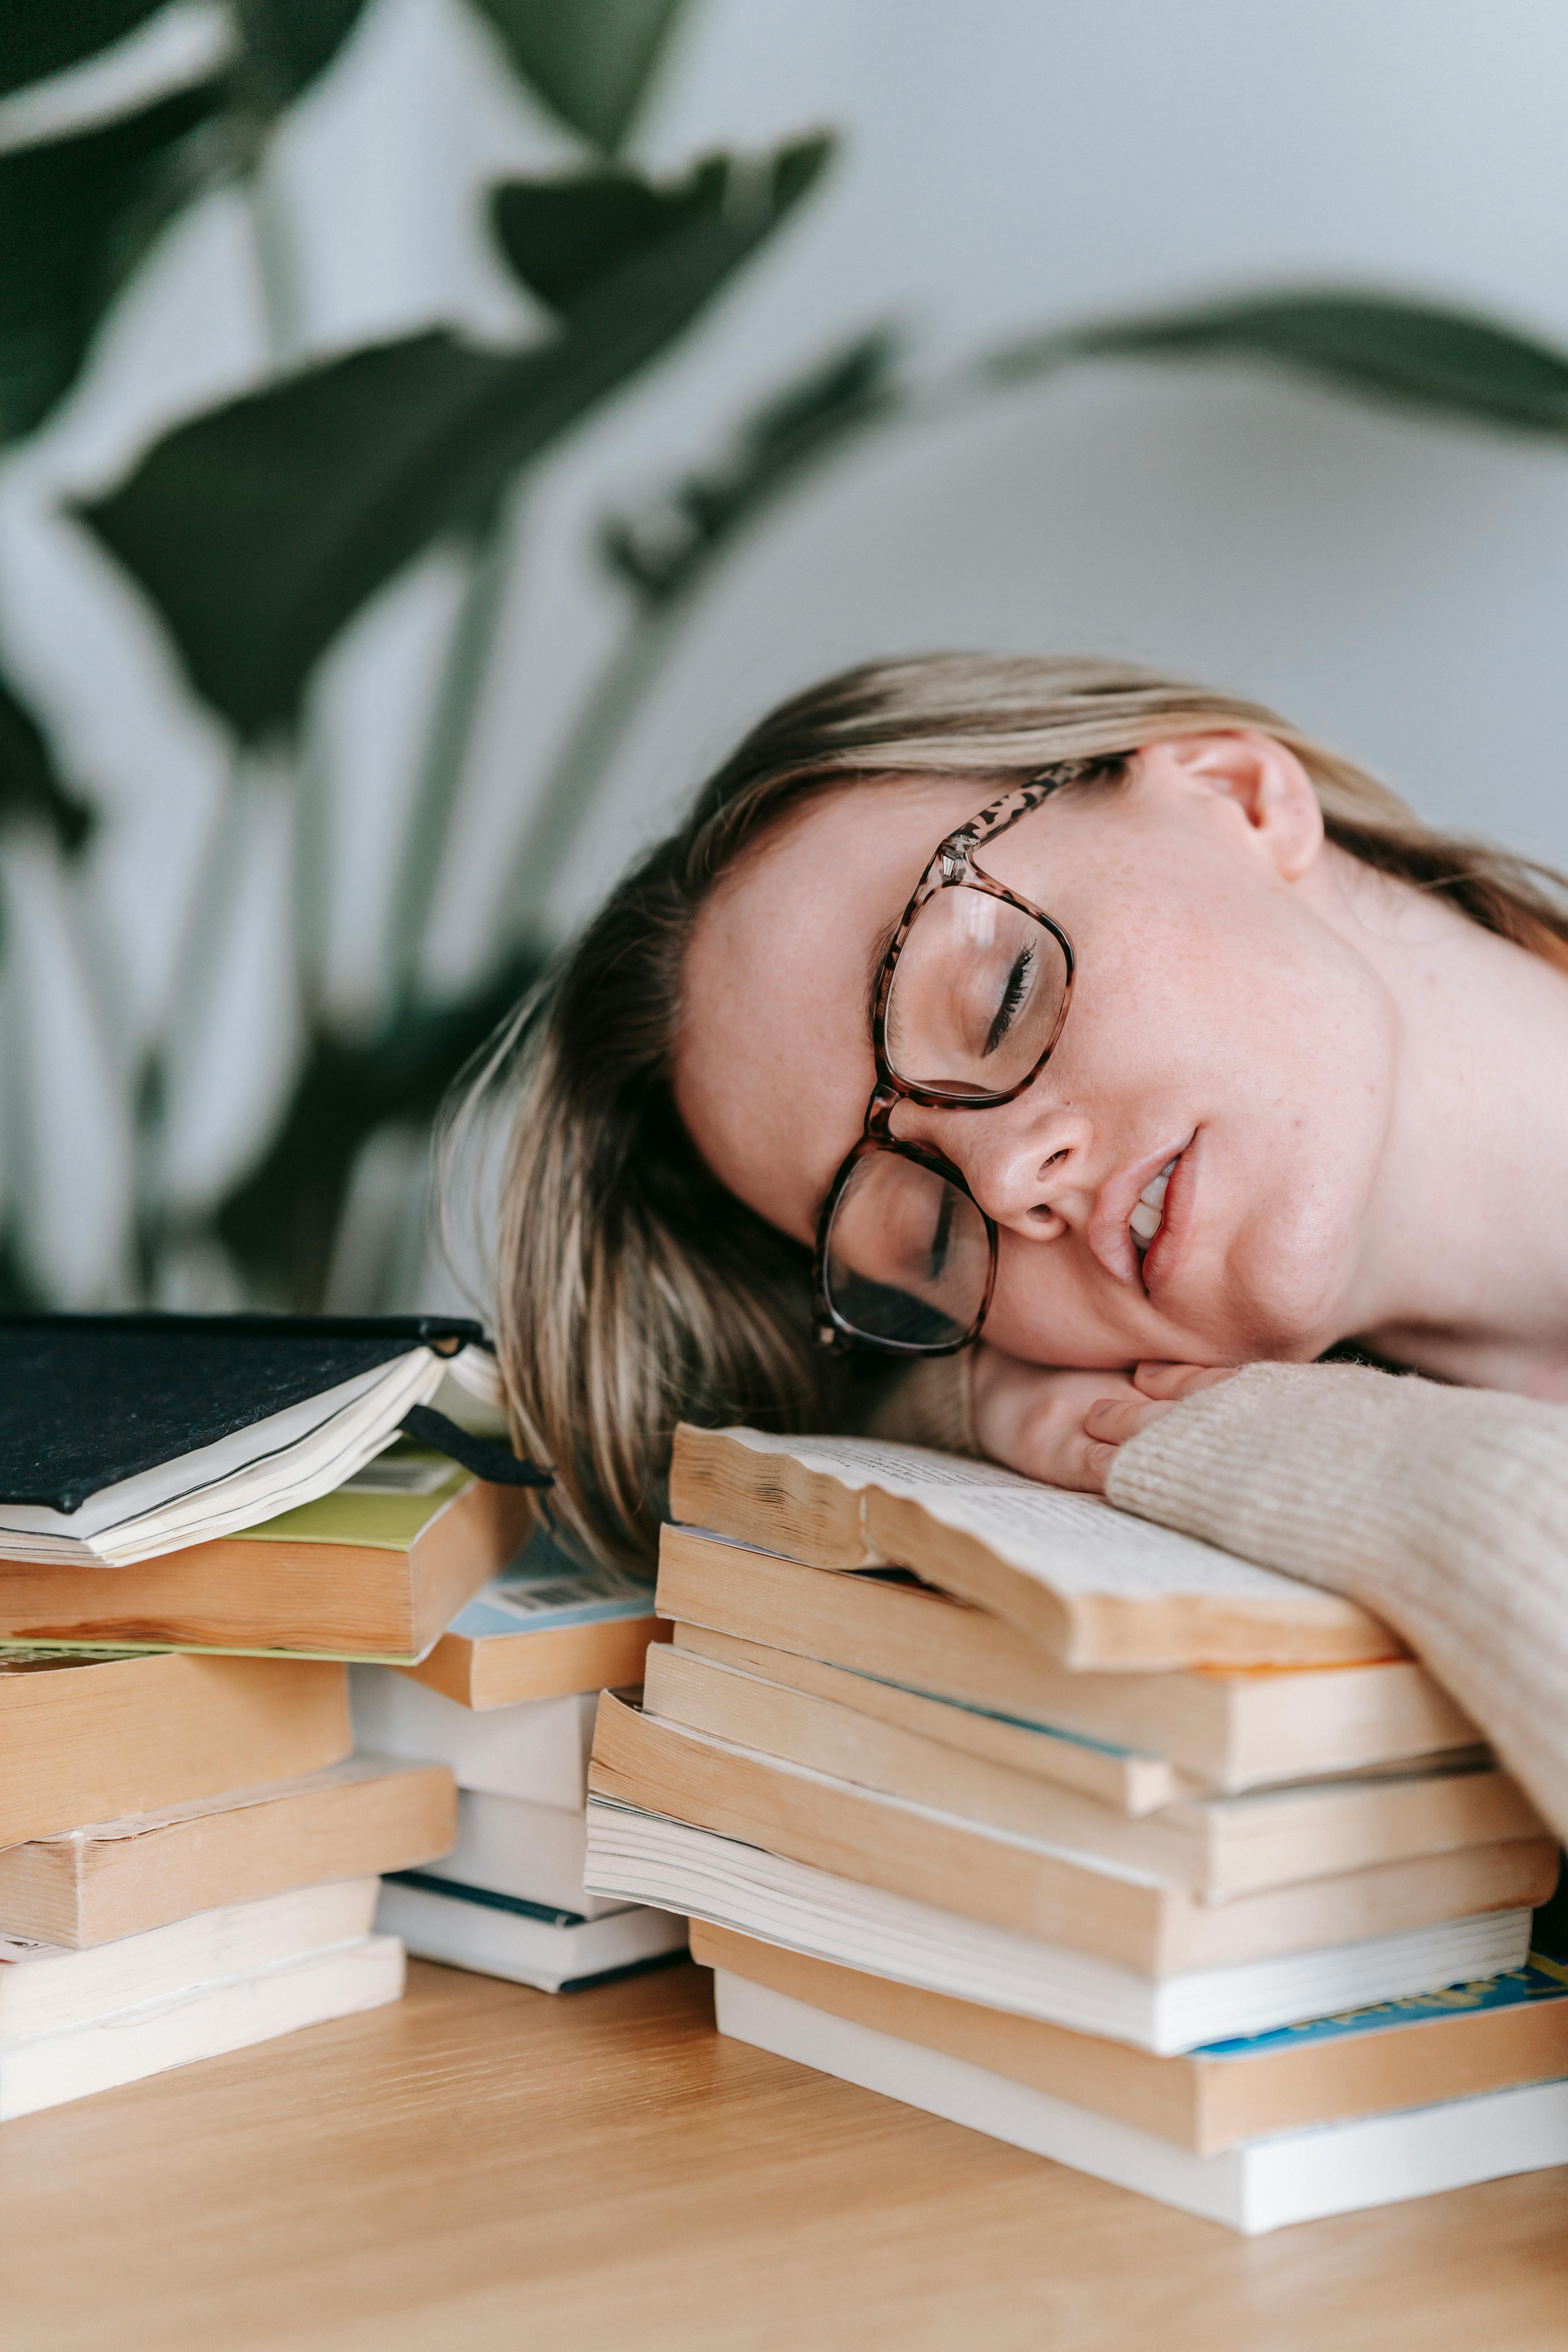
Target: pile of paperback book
{"points": [[997, 1801]]}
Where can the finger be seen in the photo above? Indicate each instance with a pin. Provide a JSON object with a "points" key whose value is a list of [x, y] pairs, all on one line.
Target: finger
{"points": [[1112, 1422], [1172, 1382], [1096, 1466]]}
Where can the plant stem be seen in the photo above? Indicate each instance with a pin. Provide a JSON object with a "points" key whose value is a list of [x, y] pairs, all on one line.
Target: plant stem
{"points": [[571, 789], [454, 710]]}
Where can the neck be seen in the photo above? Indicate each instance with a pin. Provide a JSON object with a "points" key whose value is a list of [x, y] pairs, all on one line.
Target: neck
{"points": [[1465, 1271]]}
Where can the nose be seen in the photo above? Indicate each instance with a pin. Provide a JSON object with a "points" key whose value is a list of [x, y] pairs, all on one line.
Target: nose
{"points": [[1024, 1162]]}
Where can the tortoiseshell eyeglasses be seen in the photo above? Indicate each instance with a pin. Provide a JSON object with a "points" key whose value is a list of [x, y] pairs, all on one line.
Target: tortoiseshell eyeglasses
{"points": [[967, 1008]]}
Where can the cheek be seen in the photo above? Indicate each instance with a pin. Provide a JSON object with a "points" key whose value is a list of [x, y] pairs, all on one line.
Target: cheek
{"points": [[1046, 1309], [1289, 1265]]}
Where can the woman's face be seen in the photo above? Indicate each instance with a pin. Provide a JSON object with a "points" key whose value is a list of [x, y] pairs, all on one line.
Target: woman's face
{"points": [[1221, 1018]]}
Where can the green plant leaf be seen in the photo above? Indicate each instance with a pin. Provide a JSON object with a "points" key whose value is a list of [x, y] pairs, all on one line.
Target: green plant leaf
{"points": [[592, 61], [281, 1221], [31, 790], [261, 527], [76, 215], [661, 549], [562, 238], [38, 37], [1425, 355], [298, 39]]}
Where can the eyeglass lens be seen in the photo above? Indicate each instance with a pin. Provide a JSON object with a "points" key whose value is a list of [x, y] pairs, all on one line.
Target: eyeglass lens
{"points": [[977, 993], [909, 1257], [976, 998]]}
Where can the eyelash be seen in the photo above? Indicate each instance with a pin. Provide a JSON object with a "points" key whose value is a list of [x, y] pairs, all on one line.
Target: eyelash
{"points": [[1016, 990], [942, 1235]]}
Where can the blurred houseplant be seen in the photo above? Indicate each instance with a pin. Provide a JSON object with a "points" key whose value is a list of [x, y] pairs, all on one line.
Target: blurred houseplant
{"points": [[258, 529]]}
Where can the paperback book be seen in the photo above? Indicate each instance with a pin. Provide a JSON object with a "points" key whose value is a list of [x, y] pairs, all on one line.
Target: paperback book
{"points": [[373, 1569], [553, 1949], [636, 1855], [1232, 1730], [1092, 1585], [1263, 2184], [544, 1628], [129, 1436]]}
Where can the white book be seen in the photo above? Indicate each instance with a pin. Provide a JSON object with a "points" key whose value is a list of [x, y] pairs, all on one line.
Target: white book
{"points": [[1262, 2185], [48, 1987], [209, 2021], [537, 1751], [642, 1857], [536, 1852], [524, 1942]]}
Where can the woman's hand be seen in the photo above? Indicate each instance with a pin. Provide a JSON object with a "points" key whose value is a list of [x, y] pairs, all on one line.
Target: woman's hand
{"points": [[1064, 1427]]}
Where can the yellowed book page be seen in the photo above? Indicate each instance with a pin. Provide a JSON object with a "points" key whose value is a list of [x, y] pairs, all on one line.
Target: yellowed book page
{"points": [[1082, 1574]]}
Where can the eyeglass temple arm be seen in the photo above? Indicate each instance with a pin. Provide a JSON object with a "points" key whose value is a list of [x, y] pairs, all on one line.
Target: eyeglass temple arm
{"points": [[992, 823]]}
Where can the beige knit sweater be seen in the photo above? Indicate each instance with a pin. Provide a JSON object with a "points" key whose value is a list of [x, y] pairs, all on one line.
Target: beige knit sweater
{"points": [[1443, 1510]]}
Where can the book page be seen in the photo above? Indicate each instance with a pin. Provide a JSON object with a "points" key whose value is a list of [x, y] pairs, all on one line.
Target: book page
{"points": [[1076, 1544]]}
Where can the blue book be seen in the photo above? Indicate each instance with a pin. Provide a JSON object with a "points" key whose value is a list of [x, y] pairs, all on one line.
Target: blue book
{"points": [[1541, 1979], [544, 1628]]}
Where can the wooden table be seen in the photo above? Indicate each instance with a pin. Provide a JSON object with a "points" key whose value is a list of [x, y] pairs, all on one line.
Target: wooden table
{"points": [[486, 2166]]}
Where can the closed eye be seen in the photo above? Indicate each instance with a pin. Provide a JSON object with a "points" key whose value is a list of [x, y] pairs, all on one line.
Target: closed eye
{"points": [[942, 1238], [1013, 997]]}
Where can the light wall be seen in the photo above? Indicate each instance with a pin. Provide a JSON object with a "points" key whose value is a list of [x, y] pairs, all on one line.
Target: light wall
{"points": [[1398, 586]]}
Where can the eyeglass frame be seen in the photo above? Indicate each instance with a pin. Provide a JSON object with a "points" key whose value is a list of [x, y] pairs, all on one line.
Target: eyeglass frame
{"points": [[951, 867]]}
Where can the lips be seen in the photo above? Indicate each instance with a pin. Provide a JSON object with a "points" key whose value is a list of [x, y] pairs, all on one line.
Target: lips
{"points": [[1109, 1233], [1161, 1257]]}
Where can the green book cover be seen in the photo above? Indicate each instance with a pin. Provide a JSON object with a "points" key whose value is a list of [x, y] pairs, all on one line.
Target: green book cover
{"points": [[382, 1507]]}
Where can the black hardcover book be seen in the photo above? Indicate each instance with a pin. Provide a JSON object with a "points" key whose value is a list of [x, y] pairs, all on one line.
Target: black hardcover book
{"points": [[126, 1435]]}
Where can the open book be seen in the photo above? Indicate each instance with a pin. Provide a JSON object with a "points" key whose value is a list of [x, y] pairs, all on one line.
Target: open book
{"points": [[126, 1436], [1094, 1586]]}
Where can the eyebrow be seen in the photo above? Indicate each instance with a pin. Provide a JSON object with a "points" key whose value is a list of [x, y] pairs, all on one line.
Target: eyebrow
{"points": [[881, 946]]}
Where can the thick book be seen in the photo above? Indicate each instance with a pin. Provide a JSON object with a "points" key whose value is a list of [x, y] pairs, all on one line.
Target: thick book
{"points": [[1230, 1730], [1129, 1782], [1027, 1886], [1216, 1847], [538, 1750], [206, 2021], [536, 1853], [46, 1990], [356, 1820], [642, 1857], [533, 1944], [1094, 1586], [374, 1569], [1264, 2185], [542, 1630], [127, 1436], [85, 1739], [1490, 2034]]}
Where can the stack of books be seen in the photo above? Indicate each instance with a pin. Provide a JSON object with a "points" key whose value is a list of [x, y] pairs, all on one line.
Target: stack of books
{"points": [[189, 1856], [1093, 1838], [505, 1700], [199, 1521]]}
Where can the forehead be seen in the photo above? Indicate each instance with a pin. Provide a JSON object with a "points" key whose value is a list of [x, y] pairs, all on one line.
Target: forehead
{"points": [[773, 1060]]}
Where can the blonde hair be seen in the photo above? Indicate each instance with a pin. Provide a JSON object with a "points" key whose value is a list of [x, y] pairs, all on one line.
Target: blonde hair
{"points": [[634, 1290]]}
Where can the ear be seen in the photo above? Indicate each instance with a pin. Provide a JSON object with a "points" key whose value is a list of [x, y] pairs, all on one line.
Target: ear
{"points": [[1263, 781]]}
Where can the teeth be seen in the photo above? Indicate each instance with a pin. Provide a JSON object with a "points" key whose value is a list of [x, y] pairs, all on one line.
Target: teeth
{"points": [[1149, 1215]]}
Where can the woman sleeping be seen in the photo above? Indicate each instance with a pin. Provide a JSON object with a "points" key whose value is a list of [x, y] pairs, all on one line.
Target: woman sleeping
{"points": [[1006, 1051]]}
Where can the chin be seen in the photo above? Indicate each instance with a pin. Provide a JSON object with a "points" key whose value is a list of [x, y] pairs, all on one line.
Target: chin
{"points": [[1277, 1306]]}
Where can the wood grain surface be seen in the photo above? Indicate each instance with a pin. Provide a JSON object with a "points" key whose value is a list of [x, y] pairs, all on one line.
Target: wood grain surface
{"points": [[484, 2167]]}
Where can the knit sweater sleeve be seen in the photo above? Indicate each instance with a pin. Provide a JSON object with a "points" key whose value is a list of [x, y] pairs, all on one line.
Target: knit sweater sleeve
{"points": [[1444, 1511]]}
